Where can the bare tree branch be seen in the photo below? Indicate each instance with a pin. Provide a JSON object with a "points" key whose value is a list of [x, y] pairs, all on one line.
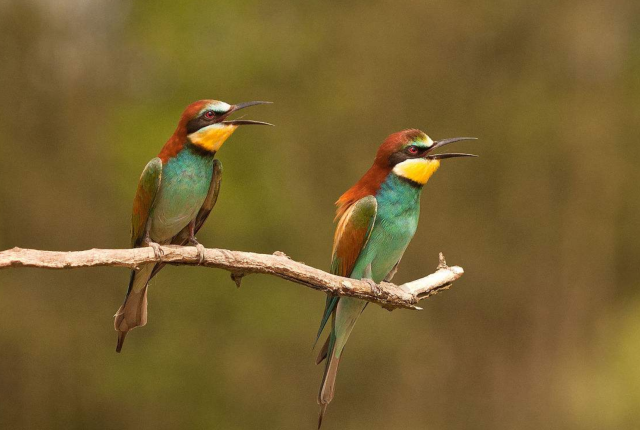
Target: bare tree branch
{"points": [[240, 263]]}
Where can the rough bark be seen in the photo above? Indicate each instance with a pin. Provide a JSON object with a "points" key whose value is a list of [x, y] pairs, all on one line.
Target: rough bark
{"points": [[240, 264]]}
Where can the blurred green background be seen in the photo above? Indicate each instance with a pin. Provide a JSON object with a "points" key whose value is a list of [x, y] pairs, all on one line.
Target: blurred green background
{"points": [[542, 332]]}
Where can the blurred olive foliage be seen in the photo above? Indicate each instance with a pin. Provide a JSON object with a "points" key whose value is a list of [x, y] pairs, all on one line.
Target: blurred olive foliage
{"points": [[543, 331]]}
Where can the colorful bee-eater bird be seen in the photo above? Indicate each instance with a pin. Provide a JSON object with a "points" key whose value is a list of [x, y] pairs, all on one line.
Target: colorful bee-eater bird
{"points": [[176, 192], [378, 217]]}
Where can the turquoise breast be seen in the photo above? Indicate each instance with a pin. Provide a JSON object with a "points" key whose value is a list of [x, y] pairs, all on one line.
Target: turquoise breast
{"points": [[183, 188], [396, 223]]}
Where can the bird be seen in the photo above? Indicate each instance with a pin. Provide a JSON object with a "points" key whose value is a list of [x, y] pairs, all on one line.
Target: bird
{"points": [[176, 192], [376, 219]]}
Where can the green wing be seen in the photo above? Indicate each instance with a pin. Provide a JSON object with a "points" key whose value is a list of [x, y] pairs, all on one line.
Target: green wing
{"points": [[148, 187], [212, 195], [352, 235]]}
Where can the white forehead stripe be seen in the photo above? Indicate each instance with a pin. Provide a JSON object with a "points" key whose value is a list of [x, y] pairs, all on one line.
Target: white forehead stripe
{"points": [[429, 142], [217, 107]]}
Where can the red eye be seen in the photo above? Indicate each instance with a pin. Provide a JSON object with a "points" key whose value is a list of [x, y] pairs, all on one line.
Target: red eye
{"points": [[209, 114], [413, 150]]}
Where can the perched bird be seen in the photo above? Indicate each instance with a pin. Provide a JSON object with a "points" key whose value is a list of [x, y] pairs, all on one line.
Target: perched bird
{"points": [[175, 195], [377, 219]]}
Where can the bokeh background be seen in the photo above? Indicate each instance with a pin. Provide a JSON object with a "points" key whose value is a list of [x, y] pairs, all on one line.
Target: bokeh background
{"points": [[542, 332]]}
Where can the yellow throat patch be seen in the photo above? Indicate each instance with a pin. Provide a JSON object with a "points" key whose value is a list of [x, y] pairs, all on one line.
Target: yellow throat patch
{"points": [[418, 170], [212, 137]]}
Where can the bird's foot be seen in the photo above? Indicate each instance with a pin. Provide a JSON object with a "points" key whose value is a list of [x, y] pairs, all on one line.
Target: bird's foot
{"points": [[194, 242], [157, 250], [374, 287]]}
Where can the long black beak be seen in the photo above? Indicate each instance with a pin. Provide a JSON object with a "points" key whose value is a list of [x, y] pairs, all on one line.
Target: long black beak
{"points": [[239, 106], [440, 143]]}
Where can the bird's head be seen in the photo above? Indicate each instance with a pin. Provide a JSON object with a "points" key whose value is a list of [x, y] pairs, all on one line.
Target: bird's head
{"points": [[206, 126], [410, 155], [407, 154]]}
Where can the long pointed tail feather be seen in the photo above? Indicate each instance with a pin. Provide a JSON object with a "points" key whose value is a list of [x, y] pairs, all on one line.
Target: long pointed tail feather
{"points": [[327, 388], [329, 381], [133, 312], [345, 315], [322, 354], [323, 409], [121, 336]]}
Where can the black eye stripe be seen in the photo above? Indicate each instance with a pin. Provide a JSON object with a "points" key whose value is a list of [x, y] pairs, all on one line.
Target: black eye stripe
{"points": [[415, 150], [198, 122], [405, 154]]}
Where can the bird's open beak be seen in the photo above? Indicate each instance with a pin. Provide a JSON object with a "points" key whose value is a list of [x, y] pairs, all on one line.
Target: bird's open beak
{"points": [[239, 106], [443, 142]]}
